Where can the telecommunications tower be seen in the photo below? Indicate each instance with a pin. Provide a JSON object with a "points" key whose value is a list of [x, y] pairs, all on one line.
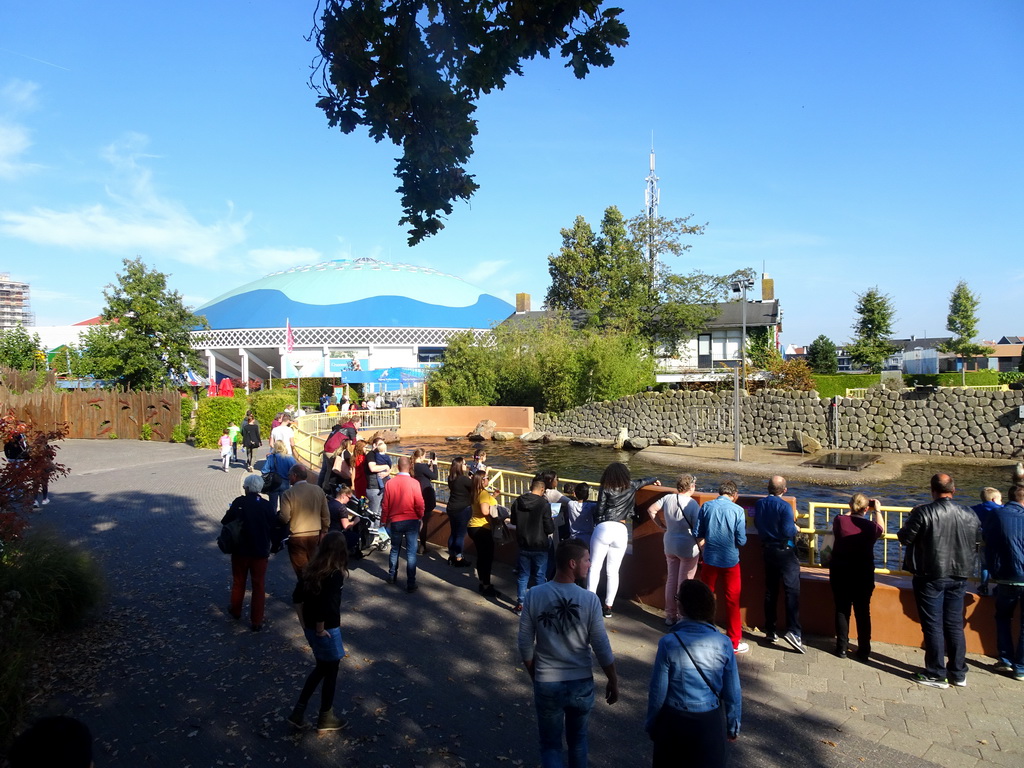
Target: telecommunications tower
{"points": [[652, 195]]}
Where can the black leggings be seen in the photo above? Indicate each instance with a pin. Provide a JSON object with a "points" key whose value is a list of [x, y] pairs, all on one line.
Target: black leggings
{"points": [[483, 540], [327, 672]]}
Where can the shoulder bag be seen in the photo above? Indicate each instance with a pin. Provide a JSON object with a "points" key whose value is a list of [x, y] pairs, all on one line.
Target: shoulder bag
{"points": [[230, 536], [272, 481]]}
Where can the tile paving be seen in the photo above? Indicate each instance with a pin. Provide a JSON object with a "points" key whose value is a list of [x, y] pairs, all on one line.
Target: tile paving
{"points": [[165, 677]]}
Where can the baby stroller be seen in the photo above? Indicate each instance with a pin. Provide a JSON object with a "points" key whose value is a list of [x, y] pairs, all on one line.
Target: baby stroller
{"points": [[370, 537]]}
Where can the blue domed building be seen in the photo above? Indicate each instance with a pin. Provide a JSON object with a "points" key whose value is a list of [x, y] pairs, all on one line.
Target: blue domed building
{"points": [[346, 317]]}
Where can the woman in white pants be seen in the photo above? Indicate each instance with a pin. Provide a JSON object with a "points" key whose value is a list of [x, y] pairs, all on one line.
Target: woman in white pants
{"points": [[681, 551], [615, 503]]}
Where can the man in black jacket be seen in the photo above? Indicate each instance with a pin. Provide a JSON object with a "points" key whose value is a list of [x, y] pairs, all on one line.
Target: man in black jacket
{"points": [[531, 516], [940, 540]]}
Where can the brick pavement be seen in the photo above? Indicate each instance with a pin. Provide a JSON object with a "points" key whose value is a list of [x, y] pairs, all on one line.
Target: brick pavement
{"points": [[164, 677]]}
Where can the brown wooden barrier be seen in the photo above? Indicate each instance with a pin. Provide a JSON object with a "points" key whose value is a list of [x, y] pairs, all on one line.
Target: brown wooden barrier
{"points": [[98, 414]]}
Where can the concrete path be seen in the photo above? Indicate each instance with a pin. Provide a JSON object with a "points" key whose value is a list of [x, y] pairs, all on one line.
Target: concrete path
{"points": [[165, 677]]}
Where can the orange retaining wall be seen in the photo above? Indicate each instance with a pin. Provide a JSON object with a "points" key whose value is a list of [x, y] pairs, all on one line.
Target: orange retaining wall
{"points": [[894, 617], [461, 420]]}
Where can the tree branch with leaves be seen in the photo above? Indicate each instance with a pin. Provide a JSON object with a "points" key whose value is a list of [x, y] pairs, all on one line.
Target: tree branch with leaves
{"points": [[411, 72]]}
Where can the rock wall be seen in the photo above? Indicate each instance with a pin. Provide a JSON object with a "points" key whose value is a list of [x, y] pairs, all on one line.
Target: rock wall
{"points": [[949, 422]]}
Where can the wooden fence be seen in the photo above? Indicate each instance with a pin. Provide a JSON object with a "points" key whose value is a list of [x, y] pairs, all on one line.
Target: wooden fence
{"points": [[98, 413]]}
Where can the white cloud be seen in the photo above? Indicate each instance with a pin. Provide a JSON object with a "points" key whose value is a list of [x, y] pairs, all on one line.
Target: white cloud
{"points": [[481, 271], [15, 139], [135, 219], [262, 261]]}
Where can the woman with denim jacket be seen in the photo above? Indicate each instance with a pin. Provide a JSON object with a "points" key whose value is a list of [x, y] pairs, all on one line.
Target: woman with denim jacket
{"points": [[693, 705]]}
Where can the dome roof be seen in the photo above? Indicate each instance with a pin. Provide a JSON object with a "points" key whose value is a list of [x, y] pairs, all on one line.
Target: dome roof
{"points": [[356, 293]]}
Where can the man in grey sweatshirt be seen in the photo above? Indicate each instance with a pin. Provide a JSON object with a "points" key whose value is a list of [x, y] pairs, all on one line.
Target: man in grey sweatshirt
{"points": [[560, 624]]}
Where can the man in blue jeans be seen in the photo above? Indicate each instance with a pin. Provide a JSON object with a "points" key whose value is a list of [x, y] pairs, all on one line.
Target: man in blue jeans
{"points": [[560, 624], [940, 540], [531, 516], [776, 527], [1004, 545]]}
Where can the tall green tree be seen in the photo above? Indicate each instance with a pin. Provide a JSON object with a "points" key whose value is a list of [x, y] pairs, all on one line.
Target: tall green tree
{"points": [[19, 349], [821, 356], [761, 349], [466, 375], [962, 322], [608, 279], [872, 329], [146, 340], [411, 71]]}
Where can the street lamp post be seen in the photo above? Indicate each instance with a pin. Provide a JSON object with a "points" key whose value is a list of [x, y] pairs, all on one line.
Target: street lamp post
{"points": [[741, 286], [270, 370], [298, 380]]}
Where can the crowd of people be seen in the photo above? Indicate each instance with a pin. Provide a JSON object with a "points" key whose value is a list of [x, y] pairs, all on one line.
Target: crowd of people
{"points": [[570, 548]]}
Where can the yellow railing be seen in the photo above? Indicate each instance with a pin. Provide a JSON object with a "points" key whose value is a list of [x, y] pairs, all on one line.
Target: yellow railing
{"points": [[805, 522], [856, 391], [862, 391]]}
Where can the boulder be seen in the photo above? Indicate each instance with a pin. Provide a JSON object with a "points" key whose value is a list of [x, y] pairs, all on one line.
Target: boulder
{"points": [[637, 443], [666, 440], [503, 436], [483, 431], [453, 439], [532, 437], [547, 437], [585, 441], [621, 439], [804, 443]]}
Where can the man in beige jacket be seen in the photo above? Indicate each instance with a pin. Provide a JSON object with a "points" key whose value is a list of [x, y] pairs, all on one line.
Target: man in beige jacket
{"points": [[304, 511]]}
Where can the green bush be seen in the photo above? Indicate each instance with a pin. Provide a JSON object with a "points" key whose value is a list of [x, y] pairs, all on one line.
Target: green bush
{"points": [[268, 403], [46, 585], [179, 434], [146, 432], [974, 378], [832, 386], [1009, 377], [214, 415], [187, 404]]}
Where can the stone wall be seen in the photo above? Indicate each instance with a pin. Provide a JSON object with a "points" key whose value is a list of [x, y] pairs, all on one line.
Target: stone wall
{"points": [[950, 422]]}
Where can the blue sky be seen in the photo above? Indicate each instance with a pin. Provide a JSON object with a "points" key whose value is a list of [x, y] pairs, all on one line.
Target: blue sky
{"points": [[842, 145]]}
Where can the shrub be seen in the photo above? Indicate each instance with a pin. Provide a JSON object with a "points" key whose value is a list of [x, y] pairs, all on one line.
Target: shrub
{"points": [[832, 386], [1009, 377], [179, 434], [268, 403], [187, 404], [214, 415], [146, 432], [46, 586]]}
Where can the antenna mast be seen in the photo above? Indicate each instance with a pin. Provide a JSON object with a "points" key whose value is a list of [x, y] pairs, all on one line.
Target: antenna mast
{"points": [[652, 196]]}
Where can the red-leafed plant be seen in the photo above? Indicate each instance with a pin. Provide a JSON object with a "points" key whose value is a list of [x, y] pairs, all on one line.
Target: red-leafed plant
{"points": [[23, 479]]}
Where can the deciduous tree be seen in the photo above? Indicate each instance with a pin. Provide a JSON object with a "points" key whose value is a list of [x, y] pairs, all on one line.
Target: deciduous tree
{"points": [[147, 339], [19, 349], [821, 356], [875, 316], [411, 71], [962, 322]]}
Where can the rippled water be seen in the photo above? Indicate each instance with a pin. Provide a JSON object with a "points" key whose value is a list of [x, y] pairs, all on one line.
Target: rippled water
{"points": [[582, 463]]}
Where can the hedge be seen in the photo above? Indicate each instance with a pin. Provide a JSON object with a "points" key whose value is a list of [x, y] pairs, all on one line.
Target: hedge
{"points": [[836, 384], [214, 415], [266, 404], [954, 379]]}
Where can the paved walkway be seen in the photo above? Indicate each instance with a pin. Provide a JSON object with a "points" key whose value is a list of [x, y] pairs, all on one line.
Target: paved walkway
{"points": [[166, 678]]}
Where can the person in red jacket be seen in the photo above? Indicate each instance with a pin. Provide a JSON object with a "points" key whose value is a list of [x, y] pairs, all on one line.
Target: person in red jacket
{"points": [[401, 512]]}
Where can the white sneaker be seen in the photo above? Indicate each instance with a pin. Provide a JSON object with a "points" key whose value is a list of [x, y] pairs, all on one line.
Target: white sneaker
{"points": [[741, 648], [44, 502]]}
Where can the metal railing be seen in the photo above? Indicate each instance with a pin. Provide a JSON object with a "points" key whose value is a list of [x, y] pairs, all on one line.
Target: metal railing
{"points": [[817, 522]]}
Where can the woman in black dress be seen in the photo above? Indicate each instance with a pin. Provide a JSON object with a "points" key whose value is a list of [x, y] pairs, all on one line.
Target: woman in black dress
{"points": [[424, 469], [459, 508]]}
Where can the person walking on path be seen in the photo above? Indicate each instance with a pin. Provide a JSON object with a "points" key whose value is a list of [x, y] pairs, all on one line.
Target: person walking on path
{"points": [[851, 572], [940, 540], [333, 445], [225, 450], [1004, 545], [235, 433], [378, 468], [304, 510], [694, 702], [721, 531], [249, 560], [251, 439], [560, 624], [615, 503], [401, 512], [776, 527], [531, 516], [279, 462], [681, 551], [317, 599]]}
